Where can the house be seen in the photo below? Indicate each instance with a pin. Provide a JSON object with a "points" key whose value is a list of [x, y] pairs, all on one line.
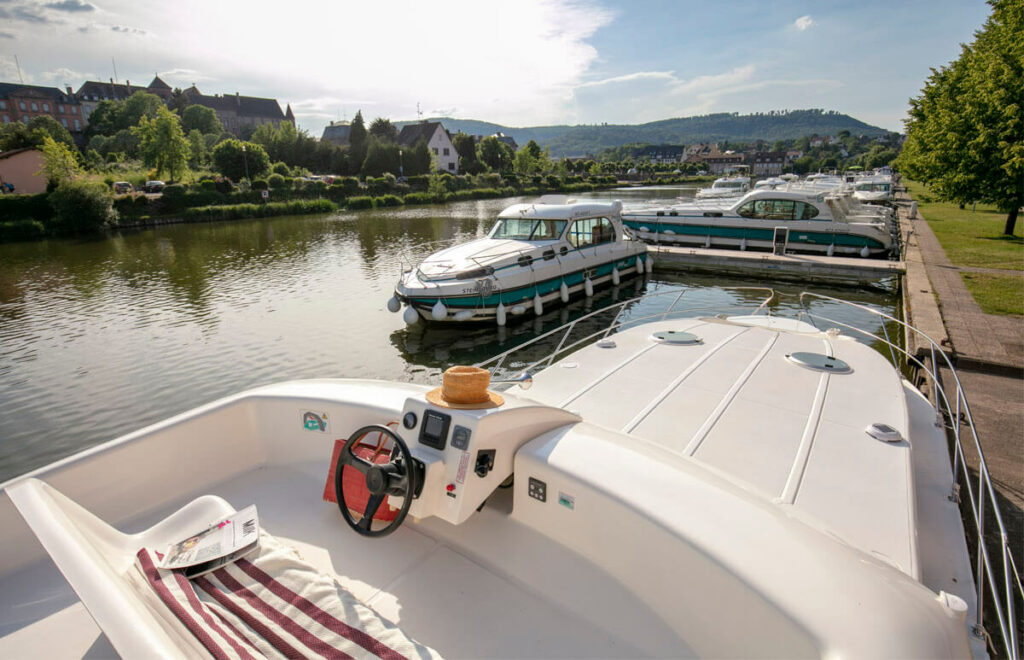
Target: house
{"points": [[766, 163], [92, 92], [23, 102], [506, 139], [20, 167], [793, 155], [661, 153], [337, 133], [439, 141], [719, 161], [241, 114]]}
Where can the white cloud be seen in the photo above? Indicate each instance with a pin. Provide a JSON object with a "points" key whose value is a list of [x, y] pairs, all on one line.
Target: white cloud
{"points": [[9, 71], [803, 23], [65, 76]]}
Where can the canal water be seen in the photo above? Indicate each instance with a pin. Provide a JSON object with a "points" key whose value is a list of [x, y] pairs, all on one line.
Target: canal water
{"points": [[101, 337]]}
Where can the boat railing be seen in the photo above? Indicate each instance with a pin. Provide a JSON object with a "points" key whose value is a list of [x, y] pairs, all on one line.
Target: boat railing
{"points": [[1001, 577], [564, 332]]}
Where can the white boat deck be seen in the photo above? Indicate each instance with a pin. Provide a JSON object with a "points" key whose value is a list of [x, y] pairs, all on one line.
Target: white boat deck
{"points": [[803, 446]]}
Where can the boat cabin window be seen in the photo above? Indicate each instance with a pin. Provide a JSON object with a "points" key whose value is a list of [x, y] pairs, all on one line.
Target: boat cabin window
{"points": [[727, 184], [528, 229], [777, 209], [590, 231]]}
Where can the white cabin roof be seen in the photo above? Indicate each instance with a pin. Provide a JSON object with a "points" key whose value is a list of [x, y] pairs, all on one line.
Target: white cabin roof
{"points": [[562, 211]]}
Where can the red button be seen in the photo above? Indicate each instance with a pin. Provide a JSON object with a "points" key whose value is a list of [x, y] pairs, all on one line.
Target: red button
{"points": [[451, 487]]}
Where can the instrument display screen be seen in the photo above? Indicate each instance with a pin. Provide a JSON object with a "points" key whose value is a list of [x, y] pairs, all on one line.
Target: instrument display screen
{"points": [[434, 432]]}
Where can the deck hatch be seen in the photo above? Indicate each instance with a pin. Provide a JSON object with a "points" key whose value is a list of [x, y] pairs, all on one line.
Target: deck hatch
{"points": [[819, 362], [676, 337]]}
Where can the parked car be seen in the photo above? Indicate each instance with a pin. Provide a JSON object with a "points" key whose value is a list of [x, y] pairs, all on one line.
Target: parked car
{"points": [[122, 187], [154, 186]]}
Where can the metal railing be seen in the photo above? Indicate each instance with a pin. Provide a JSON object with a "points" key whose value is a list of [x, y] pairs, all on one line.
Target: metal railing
{"points": [[566, 330], [1003, 578]]}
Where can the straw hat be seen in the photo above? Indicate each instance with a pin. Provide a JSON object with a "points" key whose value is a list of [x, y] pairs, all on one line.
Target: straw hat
{"points": [[465, 388]]}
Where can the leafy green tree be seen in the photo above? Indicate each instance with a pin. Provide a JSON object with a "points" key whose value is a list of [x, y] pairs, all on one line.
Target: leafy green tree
{"points": [[162, 143], [381, 157], [383, 130], [60, 164], [495, 154], [532, 159], [202, 119], [17, 135], [418, 160], [81, 207], [137, 106], [233, 157], [199, 154], [965, 132], [103, 118], [465, 145], [357, 143]]}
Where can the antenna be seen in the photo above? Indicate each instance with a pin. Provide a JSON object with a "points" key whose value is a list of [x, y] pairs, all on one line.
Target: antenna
{"points": [[17, 64], [115, 70], [419, 113]]}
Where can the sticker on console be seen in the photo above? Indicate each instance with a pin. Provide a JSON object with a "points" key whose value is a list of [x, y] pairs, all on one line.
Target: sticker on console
{"points": [[463, 468], [314, 421]]}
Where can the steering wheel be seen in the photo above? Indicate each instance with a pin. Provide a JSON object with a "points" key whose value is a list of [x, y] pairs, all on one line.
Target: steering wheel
{"points": [[397, 478]]}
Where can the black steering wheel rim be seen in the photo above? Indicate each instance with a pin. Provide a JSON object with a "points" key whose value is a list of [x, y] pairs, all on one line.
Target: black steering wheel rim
{"points": [[393, 478]]}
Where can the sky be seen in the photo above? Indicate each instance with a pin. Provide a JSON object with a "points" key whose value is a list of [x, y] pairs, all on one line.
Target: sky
{"points": [[516, 63]]}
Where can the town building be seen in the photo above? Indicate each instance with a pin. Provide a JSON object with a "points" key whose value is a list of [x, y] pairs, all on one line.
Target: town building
{"points": [[23, 102], [661, 153], [337, 133], [20, 168], [92, 92], [719, 161], [506, 139], [438, 140], [767, 163], [241, 115]]}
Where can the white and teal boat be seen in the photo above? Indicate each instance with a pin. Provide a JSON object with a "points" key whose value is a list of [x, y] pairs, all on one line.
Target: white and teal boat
{"points": [[811, 222], [536, 255]]}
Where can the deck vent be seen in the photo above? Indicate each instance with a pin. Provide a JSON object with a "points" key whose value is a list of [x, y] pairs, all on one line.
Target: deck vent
{"points": [[820, 362], [676, 337], [883, 432]]}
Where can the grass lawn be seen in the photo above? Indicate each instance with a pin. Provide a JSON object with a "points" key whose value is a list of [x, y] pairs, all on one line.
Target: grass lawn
{"points": [[971, 239], [997, 294]]}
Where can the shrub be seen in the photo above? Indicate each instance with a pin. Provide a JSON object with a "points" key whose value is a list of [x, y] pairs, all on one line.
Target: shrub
{"points": [[387, 200], [419, 198], [360, 202], [21, 230], [552, 181], [207, 185], [82, 208], [280, 169], [349, 184], [174, 192], [276, 181], [418, 181], [318, 188], [25, 207], [223, 184], [259, 184], [379, 185], [239, 211]]}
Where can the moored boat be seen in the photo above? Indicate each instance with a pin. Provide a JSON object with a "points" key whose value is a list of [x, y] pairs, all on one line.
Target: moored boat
{"points": [[725, 187], [694, 485], [812, 221], [536, 255]]}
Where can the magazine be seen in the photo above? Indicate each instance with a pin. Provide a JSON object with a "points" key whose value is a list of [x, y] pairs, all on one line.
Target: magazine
{"points": [[221, 543]]}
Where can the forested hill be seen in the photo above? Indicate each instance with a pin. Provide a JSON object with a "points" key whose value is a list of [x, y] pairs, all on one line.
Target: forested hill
{"points": [[591, 139]]}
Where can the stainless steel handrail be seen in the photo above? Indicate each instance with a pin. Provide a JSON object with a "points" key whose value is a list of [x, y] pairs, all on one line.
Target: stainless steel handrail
{"points": [[566, 330], [959, 415]]}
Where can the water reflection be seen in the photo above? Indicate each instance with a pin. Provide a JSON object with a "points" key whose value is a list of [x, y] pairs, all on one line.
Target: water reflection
{"points": [[101, 337]]}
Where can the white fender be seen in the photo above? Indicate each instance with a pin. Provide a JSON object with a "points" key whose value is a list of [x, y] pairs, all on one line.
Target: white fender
{"points": [[439, 311], [864, 251], [831, 250], [563, 291], [645, 230], [517, 310], [464, 315], [394, 304], [743, 243], [538, 304], [707, 241], [615, 276], [499, 315], [410, 316], [650, 264], [588, 287]]}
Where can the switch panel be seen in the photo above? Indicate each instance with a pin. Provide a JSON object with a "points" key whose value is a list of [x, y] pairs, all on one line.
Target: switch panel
{"points": [[538, 490]]}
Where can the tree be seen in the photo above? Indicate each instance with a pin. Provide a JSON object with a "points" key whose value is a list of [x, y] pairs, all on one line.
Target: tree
{"points": [[418, 160], [162, 143], [60, 164], [81, 207], [233, 157], [137, 106], [495, 154], [202, 119], [381, 157], [465, 145], [965, 132], [356, 143], [199, 155], [383, 130], [532, 159], [17, 135]]}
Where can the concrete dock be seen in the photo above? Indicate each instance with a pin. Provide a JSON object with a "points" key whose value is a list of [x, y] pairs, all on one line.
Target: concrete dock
{"points": [[795, 267]]}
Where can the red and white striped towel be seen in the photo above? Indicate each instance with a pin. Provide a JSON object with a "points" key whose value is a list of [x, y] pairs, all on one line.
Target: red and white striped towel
{"points": [[276, 605]]}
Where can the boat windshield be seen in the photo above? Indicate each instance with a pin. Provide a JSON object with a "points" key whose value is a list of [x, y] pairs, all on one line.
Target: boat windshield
{"points": [[528, 229], [727, 184]]}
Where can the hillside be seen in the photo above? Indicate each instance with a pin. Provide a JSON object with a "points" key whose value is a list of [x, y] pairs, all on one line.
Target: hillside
{"points": [[591, 139]]}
